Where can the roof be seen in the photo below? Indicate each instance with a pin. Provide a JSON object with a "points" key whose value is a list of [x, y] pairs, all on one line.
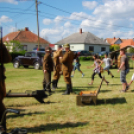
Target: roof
{"points": [[24, 37], [128, 42], [82, 38], [113, 40]]}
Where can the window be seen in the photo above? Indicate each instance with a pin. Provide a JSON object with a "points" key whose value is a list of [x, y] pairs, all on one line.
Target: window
{"points": [[27, 54], [103, 49], [91, 48], [72, 46], [25, 47]]}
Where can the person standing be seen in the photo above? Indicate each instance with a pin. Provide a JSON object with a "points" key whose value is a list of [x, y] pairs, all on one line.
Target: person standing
{"points": [[97, 69], [4, 58], [57, 66], [67, 67], [77, 66], [108, 62], [124, 68], [47, 68]]}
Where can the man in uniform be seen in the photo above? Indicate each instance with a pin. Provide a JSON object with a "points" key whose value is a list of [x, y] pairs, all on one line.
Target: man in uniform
{"points": [[4, 58], [47, 68], [67, 67], [57, 66]]}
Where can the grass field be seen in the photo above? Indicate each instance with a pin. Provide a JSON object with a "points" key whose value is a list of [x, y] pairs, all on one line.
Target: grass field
{"points": [[113, 114]]}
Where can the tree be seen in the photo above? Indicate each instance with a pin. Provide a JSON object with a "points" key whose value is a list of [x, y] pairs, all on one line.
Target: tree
{"points": [[114, 47], [130, 50], [16, 46]]}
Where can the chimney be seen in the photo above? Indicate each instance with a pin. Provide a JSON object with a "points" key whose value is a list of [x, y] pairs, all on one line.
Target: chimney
{"points": [[80, 30], [26, 29], [114, 38]]}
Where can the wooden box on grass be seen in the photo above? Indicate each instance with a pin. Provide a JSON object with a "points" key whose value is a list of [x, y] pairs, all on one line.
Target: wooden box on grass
{"points": [[86, 97]]}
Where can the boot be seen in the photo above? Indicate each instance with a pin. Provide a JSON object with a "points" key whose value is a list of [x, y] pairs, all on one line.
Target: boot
{"points": [[67, 92], [71, 89], [44, 86], [54, 84]]}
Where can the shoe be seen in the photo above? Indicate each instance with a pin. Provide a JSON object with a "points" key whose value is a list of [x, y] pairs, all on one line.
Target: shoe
{"points": [[127, 87], [107, 82], [90, 84], [72, 76], [122, 91], [83, 75]]}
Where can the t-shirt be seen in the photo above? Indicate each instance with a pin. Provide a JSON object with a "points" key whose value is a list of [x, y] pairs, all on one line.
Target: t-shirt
{"points": [[124, 59], [107, 61]]}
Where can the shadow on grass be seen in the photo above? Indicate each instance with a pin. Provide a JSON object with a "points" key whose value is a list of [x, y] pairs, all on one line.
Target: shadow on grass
{"points": [[112, 101], [23, 114], [54, 126]]}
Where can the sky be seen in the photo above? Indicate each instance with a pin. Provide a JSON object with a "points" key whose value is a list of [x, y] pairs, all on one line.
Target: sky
{"points": [[61, 18]]}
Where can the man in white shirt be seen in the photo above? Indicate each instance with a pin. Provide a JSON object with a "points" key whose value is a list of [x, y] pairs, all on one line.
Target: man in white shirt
{"points": [[108, 62]]}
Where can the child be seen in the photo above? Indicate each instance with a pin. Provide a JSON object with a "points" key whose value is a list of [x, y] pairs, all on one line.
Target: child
{"points": [[97, 69], [108, 62], [77, 66]]}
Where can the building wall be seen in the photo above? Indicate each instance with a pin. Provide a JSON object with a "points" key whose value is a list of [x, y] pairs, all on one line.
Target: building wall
{"points": [[30, 46], [74, 47], [97, 48]]}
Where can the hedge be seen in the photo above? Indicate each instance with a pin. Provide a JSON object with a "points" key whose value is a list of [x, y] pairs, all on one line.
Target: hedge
{"points": [[88, 58], [16, 54]]}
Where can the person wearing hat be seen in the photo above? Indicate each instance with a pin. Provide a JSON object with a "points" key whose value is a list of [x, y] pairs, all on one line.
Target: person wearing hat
{"points": [[108, 63], [4, 58], [47, 68], [57, 66], [77, 66], [67, 61], [123, 68]]}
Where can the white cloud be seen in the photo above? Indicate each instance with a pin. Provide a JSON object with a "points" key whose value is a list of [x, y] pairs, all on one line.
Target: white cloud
{"points": [[10, 1], [89, 4], [79, 16], [115, 9], [4, 19], [47, 21], [58, 19], [68, 25]]}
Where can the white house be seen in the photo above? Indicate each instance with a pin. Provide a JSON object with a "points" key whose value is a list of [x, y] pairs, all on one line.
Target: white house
{"points": [[26, 38], [84, 41]]}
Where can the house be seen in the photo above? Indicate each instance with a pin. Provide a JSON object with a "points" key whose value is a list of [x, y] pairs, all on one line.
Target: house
{"points": [[84, 41], [114, 40], [128, 42], [26, 38]]}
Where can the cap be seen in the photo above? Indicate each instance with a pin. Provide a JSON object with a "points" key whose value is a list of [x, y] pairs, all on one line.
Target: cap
{"points": [[48, 49], [66, 45]]}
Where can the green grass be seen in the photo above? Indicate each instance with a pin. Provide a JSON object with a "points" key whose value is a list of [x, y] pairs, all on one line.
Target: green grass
{"points": [[112, 115]]}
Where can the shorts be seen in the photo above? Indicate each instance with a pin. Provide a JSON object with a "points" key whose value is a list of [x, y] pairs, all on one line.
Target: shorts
{"points": [[106, 68], [76, 67], [123, 76], [132, 77]]}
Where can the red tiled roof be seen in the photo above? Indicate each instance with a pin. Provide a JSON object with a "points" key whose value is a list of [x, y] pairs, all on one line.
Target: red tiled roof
{"points": [[113, 40], [24, 37], [128, 42]]}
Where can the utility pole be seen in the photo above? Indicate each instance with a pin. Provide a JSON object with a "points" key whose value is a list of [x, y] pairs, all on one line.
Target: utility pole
{"points": [[37, 23]]}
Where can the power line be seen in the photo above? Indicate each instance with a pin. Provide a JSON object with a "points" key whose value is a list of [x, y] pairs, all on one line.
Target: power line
{"points": [[79, 15]]}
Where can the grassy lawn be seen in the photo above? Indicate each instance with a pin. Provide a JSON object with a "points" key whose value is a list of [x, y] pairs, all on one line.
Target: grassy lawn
{"points": [[113, 113]]}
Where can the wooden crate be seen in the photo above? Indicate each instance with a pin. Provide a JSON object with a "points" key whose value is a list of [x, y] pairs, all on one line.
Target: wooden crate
{"points": [[86, 97]]}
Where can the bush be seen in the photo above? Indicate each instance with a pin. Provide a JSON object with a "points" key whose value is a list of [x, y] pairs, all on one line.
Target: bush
{"points": [[83, 58], [16, 54]]}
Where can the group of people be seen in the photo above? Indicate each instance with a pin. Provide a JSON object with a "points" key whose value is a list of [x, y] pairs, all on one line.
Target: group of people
{"points": [[63, 64]]}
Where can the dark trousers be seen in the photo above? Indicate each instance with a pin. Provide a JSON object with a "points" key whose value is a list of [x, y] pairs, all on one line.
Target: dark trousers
{"points": [[94, 73], [47, 79]]}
